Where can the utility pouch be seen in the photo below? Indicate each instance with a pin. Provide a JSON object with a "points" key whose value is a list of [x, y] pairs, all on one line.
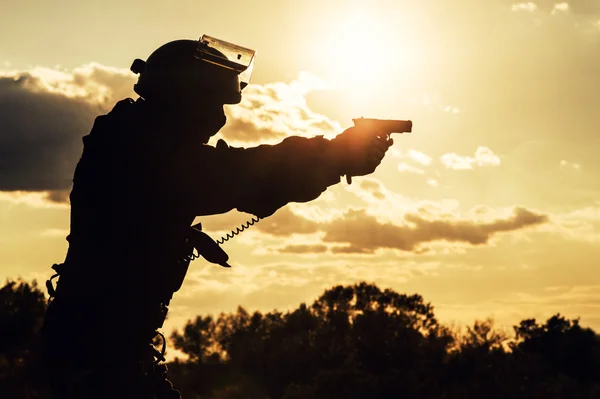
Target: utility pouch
{"points": [[58, 268]]}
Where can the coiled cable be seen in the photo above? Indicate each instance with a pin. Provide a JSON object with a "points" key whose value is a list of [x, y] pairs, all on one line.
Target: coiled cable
{"points": [[238, 230], [195, 254], [191, 257]]}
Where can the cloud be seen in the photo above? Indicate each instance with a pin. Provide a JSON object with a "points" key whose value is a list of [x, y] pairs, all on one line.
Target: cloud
{"points": [[580, 224], [285, 223], [591, 212], [374, 187], [270, 112], [528, 6], [386, 205], [483, 157], [492, 45], [420, 157], [44, 199], [573, 165], [412, 154], [404, 167], [44, 113], [350, 249], [451, 109], [303, 249], [282, 284], [561, 7], [580, 7], [355, 231], [365, 232]]}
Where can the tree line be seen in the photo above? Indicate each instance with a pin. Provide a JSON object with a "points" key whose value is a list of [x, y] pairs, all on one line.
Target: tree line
{"points": [[355, 341]]}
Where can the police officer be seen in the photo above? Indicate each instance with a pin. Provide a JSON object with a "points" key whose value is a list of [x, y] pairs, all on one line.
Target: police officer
{"points": [[146, 172]]}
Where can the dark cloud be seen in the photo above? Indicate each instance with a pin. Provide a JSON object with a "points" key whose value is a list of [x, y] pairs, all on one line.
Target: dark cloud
{"points": [[360, 233], [40, 135], [366, 233], [58, 196], [44, 113], [350, 249], [284, 222], [303, 249]]}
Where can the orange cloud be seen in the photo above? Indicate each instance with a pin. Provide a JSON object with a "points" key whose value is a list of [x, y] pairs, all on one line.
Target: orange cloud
{"points": [[356, 231], [303, 249], [363, 231], [285, 223], [374, 187]]}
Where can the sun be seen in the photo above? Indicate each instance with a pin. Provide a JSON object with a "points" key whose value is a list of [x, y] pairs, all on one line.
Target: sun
{"points": [[372, 58], [357, 51]]}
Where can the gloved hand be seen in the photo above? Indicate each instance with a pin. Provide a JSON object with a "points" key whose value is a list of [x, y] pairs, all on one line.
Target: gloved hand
{"points": [[359, 151]]}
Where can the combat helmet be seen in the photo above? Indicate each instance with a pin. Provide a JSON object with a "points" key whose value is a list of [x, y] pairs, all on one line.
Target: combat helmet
{"points": [[185, 70]]}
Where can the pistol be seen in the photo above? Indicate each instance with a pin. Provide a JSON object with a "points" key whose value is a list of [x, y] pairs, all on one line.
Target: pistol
{"points": [[381, 127], [386, 126]]}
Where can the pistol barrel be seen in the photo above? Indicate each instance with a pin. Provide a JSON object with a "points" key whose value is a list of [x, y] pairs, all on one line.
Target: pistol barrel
{"points": [[388, 125]]}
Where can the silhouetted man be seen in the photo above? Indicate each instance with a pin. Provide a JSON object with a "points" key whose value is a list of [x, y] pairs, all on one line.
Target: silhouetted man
{"points": [[145, 173]]}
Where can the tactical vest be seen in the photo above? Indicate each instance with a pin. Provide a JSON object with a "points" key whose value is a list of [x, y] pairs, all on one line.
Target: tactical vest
{"points": [[128, 232]]}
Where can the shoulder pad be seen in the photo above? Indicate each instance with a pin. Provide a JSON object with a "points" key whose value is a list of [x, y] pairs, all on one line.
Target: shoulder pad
{"points": [[111, 120], [122, 105], [222, 144]]}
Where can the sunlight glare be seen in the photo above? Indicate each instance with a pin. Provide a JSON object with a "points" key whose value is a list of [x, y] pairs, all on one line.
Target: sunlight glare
{"points": [[356, 50], [371, 57]]}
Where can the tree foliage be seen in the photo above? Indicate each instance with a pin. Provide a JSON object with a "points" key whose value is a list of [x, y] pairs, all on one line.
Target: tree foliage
{"points": [[352, 342], [22, 307], [361, 342]]}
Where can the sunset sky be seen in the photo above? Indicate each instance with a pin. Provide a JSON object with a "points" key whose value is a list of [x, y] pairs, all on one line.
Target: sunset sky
{"points": [[490, 208]]}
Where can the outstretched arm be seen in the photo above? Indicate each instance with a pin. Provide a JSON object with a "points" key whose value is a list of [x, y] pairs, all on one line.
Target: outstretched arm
{"points": [[298, 169], [262, 179]]}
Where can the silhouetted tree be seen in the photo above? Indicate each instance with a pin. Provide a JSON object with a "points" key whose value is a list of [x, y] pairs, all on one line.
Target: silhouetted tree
{"points": [[22, 307], [368, 338], [352, 342], [560, 350], [362, 342]]}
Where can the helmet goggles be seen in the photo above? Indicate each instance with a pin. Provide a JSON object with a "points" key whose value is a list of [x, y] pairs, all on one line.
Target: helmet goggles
{"points": [[228, 55]]}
